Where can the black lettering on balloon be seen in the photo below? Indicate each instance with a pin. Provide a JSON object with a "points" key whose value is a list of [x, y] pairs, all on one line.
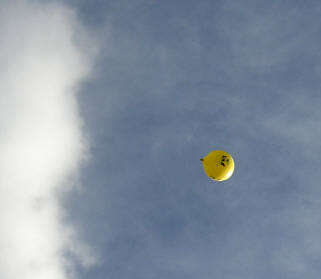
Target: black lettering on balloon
{"points": [[224, 159]]}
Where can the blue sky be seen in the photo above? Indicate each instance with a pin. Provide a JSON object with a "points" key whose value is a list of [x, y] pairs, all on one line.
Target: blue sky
{"points": [[176, 80], [171, 81]]}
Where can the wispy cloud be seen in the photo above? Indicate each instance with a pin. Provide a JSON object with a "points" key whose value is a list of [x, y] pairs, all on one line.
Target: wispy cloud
{"points": [[41, 139], [268, 35]]}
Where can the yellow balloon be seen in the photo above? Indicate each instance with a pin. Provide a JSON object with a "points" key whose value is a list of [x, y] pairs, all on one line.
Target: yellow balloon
{"points": [[218, 165]]}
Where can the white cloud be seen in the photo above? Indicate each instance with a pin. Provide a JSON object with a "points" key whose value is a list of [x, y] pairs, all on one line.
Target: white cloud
{"points": [[41, 139]]}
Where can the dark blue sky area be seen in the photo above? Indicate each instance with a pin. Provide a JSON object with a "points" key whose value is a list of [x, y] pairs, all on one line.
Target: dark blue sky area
{"points": [[173, 81]]}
